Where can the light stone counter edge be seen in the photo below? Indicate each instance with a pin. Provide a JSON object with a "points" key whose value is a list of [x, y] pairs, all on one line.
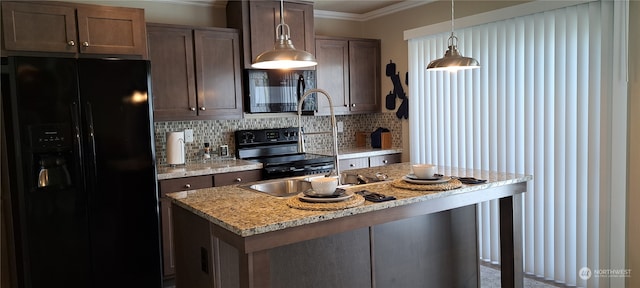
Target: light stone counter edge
{"points": [[207, 168], [248, 213], [354, 152]]}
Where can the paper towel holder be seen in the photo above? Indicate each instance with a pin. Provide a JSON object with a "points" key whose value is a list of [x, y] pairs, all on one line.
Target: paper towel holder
{"points": [[175, 148]]}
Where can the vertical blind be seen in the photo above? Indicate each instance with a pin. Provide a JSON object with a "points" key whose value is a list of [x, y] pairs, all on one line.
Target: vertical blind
{"points": [[540, 104]]}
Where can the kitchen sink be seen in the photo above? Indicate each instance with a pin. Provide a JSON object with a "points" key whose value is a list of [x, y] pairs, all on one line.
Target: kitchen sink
{"points": [[281, 187], [289, 187]]}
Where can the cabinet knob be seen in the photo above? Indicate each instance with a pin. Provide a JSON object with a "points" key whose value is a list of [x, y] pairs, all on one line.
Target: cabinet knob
{"points": [[71, 43], [238, 179], [385, 161], [192, 108], [202, 108], [85, 44], [353, 105], [352, 165], [187, 185]]}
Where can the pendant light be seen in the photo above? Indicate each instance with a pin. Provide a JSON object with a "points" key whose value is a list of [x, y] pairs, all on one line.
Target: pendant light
{"points": [[283, 55], [453, 60]]}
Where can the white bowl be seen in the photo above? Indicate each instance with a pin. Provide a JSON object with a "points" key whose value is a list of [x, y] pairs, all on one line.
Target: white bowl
{"points": [[324, 185], [424, 171]]}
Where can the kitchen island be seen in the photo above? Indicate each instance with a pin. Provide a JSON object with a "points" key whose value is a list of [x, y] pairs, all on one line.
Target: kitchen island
{"points": [[233, 237]]}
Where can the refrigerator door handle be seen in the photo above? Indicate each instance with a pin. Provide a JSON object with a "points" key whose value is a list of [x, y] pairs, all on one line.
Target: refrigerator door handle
{"points": [[92, 140], [76, 123], [77, 143]]}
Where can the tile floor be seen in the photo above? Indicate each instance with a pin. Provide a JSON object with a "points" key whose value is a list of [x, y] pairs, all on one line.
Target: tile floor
{"points": [[490, 278]]}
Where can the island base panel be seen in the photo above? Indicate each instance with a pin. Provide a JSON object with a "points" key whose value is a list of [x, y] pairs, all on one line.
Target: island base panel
{"points": [[340, 260], [439, 249], [193, 249]]}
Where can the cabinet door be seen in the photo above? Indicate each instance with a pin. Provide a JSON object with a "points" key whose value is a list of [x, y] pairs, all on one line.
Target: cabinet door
{"points": [[333, 74], [265, 16], [111, 30], [218, 74], [172, 72], [364, 81], [166, 223], [36, 27], [166, 215]]}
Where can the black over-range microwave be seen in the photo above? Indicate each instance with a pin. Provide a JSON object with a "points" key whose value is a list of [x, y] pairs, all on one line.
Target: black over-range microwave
{"points": [[275, 91]]}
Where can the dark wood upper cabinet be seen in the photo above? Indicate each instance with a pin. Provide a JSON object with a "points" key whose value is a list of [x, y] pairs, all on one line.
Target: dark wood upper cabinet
{"points": [[73, 28], [218, 74], [172, 72], [111, 30], [333, 74], [364, 76], [195, 72], [258, 20], [349, 70]]}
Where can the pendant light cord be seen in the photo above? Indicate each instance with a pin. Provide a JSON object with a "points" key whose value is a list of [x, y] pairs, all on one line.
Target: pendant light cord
{"points": [[282, 12], [452, 18], [281, 33]]}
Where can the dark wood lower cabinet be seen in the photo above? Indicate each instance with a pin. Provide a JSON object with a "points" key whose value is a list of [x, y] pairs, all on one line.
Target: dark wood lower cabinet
{"points": [[433, 250], [190, 183]]}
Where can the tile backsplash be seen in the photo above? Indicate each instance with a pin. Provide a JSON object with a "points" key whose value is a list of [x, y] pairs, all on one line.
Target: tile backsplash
{"points": [[221, 132]]}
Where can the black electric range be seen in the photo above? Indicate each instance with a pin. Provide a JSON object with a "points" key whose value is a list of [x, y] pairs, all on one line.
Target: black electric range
{"points": [[277, 150]]}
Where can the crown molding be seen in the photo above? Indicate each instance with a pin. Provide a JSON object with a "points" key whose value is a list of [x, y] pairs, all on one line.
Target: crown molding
{"points": [[201, 3], [400, 6]]}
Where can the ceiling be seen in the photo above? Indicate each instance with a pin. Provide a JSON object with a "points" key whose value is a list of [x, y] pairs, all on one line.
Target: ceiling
{"points": [[358, 10], [353, 6]]}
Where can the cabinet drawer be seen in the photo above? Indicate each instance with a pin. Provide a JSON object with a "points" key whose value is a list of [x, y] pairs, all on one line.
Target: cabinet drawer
{"points": [[384, 160], [236, 177], [355, 163], [187, 183]]}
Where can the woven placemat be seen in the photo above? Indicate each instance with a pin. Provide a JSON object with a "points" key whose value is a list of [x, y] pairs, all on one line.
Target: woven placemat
{"points": [[296, 202], [449, 185]]}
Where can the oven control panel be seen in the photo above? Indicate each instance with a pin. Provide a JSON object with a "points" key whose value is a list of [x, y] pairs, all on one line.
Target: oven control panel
{"points": [[266, 136]]}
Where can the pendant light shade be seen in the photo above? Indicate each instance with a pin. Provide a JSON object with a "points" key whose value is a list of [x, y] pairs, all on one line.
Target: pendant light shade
{"points": [[453, 60], [284, 55]]}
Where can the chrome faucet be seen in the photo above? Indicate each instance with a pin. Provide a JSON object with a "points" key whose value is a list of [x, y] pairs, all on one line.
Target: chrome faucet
{"points": [[334, 128]]}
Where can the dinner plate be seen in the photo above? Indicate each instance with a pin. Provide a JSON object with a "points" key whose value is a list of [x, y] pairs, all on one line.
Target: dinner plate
{"points": [[341, 197], [414, 177], [420, 181]]}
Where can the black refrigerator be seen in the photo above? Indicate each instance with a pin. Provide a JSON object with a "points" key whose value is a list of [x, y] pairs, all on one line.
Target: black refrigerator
{"points": [[80, 172]]}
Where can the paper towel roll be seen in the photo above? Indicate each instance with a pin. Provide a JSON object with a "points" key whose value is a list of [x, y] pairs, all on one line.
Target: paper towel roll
{"points": [[175, 148]]}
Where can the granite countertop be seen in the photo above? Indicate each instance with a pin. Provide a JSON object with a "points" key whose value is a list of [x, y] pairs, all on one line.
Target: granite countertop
{"points": [[358, 152], [248, 213], [213, 166], [216, 166]]}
